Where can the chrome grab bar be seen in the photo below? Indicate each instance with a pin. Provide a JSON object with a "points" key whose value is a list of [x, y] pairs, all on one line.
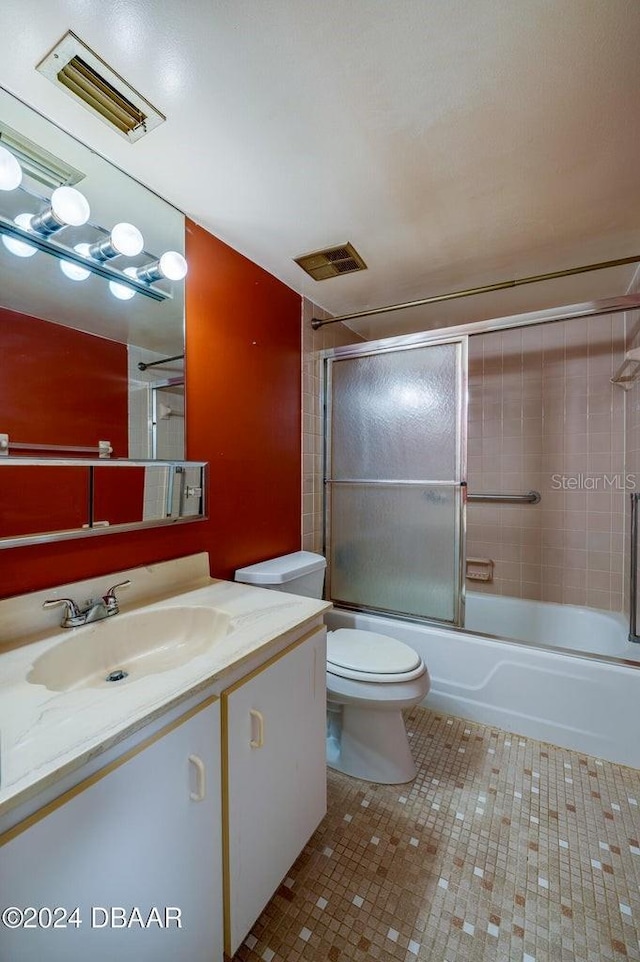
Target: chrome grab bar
{"points": [[532, 497], [633, 571]]}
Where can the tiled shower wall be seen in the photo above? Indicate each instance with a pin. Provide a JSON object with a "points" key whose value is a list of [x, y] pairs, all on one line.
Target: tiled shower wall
{"points": [[172, 427], [544, 415], [313, 343]]}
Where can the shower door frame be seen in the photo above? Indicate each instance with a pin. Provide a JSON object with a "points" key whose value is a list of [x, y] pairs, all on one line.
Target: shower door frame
{"points": [[607, 305], [387, 346]]}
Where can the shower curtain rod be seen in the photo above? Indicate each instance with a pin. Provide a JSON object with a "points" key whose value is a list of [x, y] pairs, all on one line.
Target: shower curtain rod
{"points": [[165, 360], [316, 322]]}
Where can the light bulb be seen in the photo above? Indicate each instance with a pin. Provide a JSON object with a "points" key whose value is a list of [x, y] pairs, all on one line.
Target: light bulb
{"points": [[121, 291], [74, 271], [127, 239], [10, 170], [70, 206], [18, 247], [124, 239], [173, 266], [67, 207]]}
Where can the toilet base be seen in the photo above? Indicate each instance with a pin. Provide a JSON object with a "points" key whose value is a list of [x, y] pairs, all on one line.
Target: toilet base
{"points": [[373, 746]]}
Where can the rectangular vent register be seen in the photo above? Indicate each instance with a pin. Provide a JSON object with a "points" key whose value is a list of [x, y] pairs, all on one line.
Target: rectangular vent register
{"points": [[81, 73], [332, 262]]}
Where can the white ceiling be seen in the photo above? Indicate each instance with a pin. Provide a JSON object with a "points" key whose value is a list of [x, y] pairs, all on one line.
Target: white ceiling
{"points": [[455, 143]]}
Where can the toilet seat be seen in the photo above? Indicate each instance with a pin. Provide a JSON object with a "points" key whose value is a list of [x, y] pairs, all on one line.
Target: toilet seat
{"points": [[370, 657]]}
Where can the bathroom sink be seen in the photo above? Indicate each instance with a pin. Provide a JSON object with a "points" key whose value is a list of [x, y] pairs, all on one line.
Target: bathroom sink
{"points": [[129, 646]]}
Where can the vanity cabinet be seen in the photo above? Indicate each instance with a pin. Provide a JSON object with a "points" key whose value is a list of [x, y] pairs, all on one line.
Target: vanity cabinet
{"points": [[274, 776], [143, 833]]}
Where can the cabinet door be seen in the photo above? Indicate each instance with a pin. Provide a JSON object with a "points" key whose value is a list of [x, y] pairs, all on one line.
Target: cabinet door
{"points": [[275, 777], [130, 838]]}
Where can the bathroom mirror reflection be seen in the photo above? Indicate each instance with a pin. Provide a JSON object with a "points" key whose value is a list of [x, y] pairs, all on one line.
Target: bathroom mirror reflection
{"points": [[71, 349], [94, 498]]}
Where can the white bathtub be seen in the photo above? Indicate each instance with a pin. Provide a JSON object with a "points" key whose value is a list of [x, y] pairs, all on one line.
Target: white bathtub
{"points": [[586, 702], [555, 626]]}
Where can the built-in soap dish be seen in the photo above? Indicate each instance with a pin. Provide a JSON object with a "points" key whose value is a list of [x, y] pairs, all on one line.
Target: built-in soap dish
{"points": [[480, 569]]}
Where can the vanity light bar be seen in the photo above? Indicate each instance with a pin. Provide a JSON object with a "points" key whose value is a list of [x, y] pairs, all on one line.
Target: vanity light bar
{"points": [[103, 269], [68, 207]]}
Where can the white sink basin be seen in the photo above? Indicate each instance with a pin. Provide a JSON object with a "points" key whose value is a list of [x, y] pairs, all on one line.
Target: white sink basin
{"points": [[130, 646]]}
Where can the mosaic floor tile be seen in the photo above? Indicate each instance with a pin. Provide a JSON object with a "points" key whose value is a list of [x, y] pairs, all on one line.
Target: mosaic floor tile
{"points": [[503, 849]]}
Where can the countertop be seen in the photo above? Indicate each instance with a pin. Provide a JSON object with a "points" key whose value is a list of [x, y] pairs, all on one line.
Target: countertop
{"points": [[45, 734]]}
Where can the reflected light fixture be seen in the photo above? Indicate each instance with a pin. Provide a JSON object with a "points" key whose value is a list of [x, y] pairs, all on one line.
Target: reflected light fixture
{"points": [[18, 247], [171, 265], [68, 208], [121, 291], [10, 170], [125, 239], [73, 271]]}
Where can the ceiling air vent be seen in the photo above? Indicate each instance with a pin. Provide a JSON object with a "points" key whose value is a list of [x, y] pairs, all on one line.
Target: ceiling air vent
{"points": [[331, 262], [82, 74], [36, 162]]}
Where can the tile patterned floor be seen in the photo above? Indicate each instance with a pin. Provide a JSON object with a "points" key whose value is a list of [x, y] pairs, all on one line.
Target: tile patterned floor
{"points": [[503, 848]]}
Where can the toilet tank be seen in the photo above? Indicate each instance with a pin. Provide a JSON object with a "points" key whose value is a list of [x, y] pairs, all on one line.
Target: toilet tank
{"points": [[300, 573]]}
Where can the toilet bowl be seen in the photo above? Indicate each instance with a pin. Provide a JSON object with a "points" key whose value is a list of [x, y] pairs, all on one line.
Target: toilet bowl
{"points": [[371, 678]]}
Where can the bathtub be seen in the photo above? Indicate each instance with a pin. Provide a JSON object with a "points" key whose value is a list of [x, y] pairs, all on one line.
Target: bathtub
{"points": [[572, 679], [554, 626]]}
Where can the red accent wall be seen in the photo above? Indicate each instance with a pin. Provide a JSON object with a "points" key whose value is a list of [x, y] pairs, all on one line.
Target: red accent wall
{"points": [[243, 417], [61, 386], [243, 402], [28, 504]]}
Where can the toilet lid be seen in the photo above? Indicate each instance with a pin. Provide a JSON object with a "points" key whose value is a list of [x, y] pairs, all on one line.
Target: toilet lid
{"points": [[368, 653]]}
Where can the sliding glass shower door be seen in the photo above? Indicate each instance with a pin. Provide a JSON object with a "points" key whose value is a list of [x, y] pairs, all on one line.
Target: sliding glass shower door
{"points": [[394, 483]]}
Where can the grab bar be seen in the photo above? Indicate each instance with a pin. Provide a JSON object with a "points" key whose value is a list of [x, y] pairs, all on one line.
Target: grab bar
{"points": [[633, 571], [533, 497]]}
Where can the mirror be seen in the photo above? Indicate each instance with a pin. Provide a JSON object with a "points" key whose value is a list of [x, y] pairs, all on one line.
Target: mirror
{"points": [[94, 497], [71, 350], [85, 374]]}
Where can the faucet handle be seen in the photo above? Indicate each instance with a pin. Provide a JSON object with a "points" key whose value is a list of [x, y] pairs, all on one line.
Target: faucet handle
{"points": [[110, 600], [72, 615]]}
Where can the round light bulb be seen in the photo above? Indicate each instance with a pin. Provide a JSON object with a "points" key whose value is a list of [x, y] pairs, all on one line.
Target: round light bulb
{"points": [[173, 266], [10, 170], [74, 271], [18, 247], [127, 239], [70, 206], [121, 291]]}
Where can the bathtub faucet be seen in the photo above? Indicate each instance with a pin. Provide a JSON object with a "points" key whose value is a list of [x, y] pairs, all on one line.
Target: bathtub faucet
{"points": [[96, 610]]}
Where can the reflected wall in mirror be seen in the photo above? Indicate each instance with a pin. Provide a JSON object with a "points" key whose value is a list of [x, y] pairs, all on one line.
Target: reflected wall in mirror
{"points": [[94, 497], [71, 350], [26, 508]]}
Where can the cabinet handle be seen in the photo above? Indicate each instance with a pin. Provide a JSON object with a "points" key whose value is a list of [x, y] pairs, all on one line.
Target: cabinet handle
{"points": [[201, 787], [259, 741]]}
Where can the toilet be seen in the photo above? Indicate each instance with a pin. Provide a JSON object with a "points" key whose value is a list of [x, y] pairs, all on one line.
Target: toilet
{"points": [[371, 678]]}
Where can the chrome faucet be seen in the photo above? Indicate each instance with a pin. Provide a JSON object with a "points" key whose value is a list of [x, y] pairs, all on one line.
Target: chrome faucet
{"points": [[95, 610]]}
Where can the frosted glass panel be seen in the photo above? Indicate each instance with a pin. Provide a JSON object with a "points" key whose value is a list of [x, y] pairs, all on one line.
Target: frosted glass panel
{"points": [[394, 415], [395, 548]]}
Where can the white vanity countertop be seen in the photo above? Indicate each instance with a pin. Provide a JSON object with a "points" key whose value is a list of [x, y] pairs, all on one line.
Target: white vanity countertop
{"points": [[44, 734]]}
